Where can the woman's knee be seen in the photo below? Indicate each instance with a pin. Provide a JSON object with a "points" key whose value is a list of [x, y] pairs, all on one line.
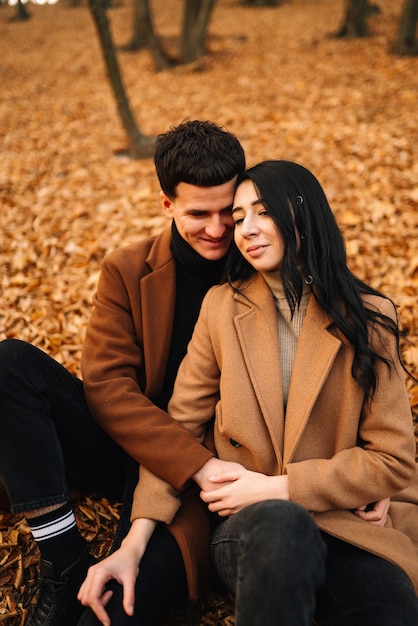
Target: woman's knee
{"points": [[273, 539], [277, 529], [271, 518]]}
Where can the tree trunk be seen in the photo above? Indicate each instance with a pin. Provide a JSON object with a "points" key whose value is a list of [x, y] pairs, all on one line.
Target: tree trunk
{"points": [[196, 19], [406, 42], [144, 35], [356, 13], [21, 13], [141, 26], [140, 146]]}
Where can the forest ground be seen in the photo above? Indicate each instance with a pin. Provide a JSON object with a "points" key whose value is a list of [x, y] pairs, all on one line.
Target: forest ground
{"points": [[346, 109]]}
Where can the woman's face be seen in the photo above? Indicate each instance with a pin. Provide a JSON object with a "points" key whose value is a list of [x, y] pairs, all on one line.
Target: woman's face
{"points": [[256, 235]]}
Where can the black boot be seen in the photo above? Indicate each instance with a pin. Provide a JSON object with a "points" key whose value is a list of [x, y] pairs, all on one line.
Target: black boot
{"points": [[57, 603]]}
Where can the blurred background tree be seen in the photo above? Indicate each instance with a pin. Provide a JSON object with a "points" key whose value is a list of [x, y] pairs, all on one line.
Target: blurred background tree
{"points": [[406, 41], [139, 145]]}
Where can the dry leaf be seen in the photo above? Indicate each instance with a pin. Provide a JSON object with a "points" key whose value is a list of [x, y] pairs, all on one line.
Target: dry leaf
{"points": [[345, 109]]}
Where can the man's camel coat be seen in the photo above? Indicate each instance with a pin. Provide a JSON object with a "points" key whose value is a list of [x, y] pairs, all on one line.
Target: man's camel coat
{"points": [[125, 355], [338, 450], [124, 360]]}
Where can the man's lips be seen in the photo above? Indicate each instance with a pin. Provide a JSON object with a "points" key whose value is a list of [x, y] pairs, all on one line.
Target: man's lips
{"points": [[221, 240]]}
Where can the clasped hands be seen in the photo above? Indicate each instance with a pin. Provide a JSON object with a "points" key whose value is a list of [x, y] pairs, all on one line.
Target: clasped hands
{"points": [[228, 487]]}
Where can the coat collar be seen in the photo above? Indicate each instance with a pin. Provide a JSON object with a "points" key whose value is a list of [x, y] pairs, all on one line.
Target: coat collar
{"points": [[158, 293], [317, 349]]}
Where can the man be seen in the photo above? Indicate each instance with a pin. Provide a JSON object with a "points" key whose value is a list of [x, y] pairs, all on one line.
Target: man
{"points": [[58, 431]]}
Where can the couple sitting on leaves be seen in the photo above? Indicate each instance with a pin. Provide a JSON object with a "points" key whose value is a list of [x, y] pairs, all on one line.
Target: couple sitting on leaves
{"points": [[294, 367]]}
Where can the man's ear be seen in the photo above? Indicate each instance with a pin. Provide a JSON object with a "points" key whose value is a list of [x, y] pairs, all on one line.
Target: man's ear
{"points": [[166, 203]]}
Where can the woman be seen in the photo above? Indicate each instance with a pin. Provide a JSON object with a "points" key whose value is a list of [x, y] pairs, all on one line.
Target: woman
{"points": [[299, 362]]}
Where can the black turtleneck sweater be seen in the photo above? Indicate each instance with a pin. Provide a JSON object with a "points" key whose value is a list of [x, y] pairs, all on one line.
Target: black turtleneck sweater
{"points": [[194, 277]]}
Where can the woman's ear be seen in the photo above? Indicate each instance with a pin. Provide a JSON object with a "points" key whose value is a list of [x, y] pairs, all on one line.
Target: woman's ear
{"points": [[166, 203]]}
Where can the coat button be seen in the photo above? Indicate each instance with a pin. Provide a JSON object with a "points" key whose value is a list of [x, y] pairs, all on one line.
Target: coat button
{"points": [[234, 443]]}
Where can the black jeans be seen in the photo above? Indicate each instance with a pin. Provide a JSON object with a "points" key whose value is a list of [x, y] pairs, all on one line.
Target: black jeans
{"points": [[283, 570], [49, 441]]}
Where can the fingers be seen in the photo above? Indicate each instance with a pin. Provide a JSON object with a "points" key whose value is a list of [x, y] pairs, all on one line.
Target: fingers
{"points": [[366, 515], [212, 496], [373, 516], [226, 477], [375, 513], [97, 606], [92, 593], [382, 509], [129, 597]]}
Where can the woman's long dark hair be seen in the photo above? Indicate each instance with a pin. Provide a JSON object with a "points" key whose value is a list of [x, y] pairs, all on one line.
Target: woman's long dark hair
{"points": [[296, 201]]}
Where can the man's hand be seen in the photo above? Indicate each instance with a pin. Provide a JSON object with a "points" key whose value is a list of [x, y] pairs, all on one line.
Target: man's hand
{"points": [[376, 514], [211, 468], [123, 566]]}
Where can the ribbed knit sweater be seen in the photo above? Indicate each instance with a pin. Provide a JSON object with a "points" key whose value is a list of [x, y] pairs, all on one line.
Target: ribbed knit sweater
{"points": [[194, 277], [289, 327]]}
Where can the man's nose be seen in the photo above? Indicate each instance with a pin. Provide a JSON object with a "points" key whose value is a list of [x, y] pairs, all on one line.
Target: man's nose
{"points": [[217, 226]]}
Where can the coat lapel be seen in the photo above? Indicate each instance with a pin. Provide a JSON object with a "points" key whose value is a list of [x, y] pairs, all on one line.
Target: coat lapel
{"points": [[258, 336], [317, 349], [157, 304], [315, 354]]}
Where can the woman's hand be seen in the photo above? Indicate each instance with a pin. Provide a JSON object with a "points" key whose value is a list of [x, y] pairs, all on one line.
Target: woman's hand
{"points": [[122, 566], [242, 487], [375, 514]]}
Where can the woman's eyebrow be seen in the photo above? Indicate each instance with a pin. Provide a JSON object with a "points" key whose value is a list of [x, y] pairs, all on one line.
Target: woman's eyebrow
{"points": [[253, 203]]}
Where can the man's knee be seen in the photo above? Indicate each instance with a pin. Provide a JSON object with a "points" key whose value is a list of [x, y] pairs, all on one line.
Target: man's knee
{"points": [[10, 347], [12, 351]]}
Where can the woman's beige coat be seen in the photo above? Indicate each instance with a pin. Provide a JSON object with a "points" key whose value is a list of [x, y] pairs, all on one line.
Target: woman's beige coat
{"points": [[338, 451]]}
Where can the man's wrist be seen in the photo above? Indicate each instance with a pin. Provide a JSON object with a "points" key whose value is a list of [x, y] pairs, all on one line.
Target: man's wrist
{"points": [[204, 472]]}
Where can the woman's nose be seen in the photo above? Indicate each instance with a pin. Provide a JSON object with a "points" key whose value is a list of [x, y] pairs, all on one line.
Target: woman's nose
{"points": [[249, 228]]}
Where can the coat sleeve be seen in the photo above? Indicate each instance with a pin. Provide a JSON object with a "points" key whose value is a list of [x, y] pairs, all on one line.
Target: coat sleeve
{"points": [[383, 461], [114, 376], [195, 394]]}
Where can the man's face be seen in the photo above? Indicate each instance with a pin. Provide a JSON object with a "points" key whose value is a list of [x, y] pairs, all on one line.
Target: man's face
{"points": [[203, 217]]}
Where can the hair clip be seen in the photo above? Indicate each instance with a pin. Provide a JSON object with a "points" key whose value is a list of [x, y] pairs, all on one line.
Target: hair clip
{"points": [[299, 199]]}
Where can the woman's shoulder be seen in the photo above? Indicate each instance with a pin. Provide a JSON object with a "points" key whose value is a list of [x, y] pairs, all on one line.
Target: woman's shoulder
{"points": [[219, 294], [229, 299], [380, 304]]}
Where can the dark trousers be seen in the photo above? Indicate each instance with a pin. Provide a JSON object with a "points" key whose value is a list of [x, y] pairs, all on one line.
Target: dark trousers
{"points": [[49, 439], [283, 570], [49, 442], [161, 585]]}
